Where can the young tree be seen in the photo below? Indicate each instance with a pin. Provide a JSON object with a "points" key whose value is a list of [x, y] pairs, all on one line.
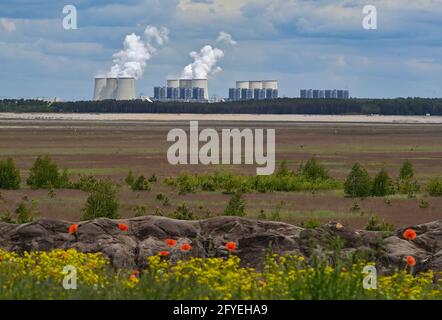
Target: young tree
{"points": [[358, 183], [102, 202], [382, 184], [314, 171], [236, 205], [407, 171], [130, 179], [9, 175], [44, 174]]}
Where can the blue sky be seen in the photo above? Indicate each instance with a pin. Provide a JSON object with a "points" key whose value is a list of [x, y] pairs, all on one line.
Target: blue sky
{"points": [[302, 43]]}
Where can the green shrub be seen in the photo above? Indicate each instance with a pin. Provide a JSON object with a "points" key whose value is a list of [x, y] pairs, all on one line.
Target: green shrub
{"points": [[44, 174], [424, 204], [25, 213], [406, 183], [9, 175], [358, 183], [434, 187], [311, 224], [406, 172], [7, 217], [236, 205], [102, 202], [130, 180], [85, 183], [283, 169], [152, 178], [141, 184], [382, 184], [377, 224], [314, 171], [140, 210], [183, 213]]}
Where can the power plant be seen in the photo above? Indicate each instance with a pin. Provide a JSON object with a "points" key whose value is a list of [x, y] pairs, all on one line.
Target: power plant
{"points": [[190, 90], [114, 89], [254, 90], [324, 94]]}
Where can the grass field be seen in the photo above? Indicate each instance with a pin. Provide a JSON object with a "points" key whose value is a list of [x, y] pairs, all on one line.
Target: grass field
{"points": [[111, 149]]}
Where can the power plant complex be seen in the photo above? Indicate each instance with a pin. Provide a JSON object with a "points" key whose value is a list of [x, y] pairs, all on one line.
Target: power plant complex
{"points": [[324, 94], [254, 90], [114, 89], [190, 90]]}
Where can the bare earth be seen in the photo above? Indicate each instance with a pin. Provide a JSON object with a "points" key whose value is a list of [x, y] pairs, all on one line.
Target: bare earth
{"points": [[109, 146]]}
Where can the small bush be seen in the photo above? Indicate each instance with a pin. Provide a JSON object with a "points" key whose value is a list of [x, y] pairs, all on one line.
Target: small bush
{"points": [[25, 213], [85, 183], [311, 224], [141, 184], [152, 178], [44, 174], [377, 224], [314, 171], [183, 213], [358, 183], [140, 210], [236, 205], [102, 202], [130, 180], [382, 184], [434, 187], [283, 169], [9, 175], [406, 172], [424, 204], [7, 217]]}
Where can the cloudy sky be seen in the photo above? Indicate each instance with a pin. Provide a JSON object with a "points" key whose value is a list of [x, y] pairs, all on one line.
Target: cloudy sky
{"points": [[302, 43]]}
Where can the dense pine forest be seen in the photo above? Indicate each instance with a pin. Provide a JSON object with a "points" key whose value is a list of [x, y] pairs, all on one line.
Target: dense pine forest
{"points": [[399, 106]]}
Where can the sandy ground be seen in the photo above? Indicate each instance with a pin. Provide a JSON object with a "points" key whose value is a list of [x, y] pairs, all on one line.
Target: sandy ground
{"points": [[223, 117]]}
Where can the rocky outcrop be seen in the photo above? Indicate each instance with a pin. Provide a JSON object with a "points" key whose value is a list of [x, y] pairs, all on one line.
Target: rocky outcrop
{"points": [[146, 236]]}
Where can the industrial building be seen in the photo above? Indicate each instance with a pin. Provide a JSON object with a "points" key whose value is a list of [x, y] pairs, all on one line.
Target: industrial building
{"points": [[191, 90], [324, 94], [254, 90], [114, 89]]}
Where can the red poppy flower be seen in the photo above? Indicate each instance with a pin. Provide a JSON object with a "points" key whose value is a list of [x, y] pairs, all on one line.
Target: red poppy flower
{"points": [[73, 228], [136, 272], [186, 247], [410, 261], [230, 246], [171, 242], [164, 253], [410, 234], [123, 227]]}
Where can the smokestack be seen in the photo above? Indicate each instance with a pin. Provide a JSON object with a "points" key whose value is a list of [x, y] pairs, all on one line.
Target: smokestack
{"points": [[125, 89], [100, 88]]}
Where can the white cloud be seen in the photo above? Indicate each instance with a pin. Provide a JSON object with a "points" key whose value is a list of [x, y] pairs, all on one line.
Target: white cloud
{"points": [[226, 38], [7, 24]]}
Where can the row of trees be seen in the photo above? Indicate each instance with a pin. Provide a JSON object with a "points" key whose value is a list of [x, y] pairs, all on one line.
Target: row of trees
{"points": [[360, 184], [399, 106]]}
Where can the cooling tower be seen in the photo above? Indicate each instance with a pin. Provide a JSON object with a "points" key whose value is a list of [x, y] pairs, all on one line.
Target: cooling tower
{"points": [[100, 88], [242, 84], [125, 89], [270, 84], [186, 83], [111, 89], [255, 85], [173, 83], [202, 83]]}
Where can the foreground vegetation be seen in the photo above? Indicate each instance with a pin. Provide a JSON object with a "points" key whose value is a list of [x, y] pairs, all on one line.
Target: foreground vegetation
{"points": [[40, 275]]}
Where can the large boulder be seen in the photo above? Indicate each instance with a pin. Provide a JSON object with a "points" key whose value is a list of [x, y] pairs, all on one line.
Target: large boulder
{"points": [[146, 236]]}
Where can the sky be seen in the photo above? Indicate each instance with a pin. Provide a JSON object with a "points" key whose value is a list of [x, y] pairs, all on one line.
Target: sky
{"points": [[316, 44]]}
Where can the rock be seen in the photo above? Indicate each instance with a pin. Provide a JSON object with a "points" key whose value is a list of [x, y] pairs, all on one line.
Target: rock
{"points": [[146, 236]]}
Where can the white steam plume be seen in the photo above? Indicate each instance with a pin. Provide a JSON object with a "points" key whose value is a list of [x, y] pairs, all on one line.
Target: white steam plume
{"points": [[226, 38], [132, 60], [205, 63]]}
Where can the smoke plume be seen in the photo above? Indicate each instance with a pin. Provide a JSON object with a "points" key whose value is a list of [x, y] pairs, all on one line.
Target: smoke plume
{"points": [[205, 63], [132, 60]]}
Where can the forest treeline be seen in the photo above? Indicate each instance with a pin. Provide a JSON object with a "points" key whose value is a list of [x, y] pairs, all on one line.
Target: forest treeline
{"points": [[399, 106]]}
